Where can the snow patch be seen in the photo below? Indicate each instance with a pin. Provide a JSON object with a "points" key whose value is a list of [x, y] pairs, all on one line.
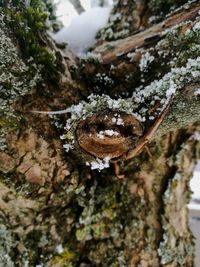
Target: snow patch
{"points": [[196, 136], [110, 133], [172, 89], [196, 26], [67, 147], [59, 249], [101, 135], [195, 182], [80, 34], [197, 92], [117, 119], [130, 54], [145, 60], [120, 121], [99, 164]]}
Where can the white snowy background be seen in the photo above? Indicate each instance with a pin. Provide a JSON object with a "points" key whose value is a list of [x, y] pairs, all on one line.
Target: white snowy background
{"points": [[79, 32]]}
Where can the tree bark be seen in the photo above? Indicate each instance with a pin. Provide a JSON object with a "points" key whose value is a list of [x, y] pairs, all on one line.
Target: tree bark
{"points": [[54, 209]]}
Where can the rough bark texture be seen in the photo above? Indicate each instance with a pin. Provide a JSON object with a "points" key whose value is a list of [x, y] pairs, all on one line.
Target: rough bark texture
{"points": [[55, 210]]}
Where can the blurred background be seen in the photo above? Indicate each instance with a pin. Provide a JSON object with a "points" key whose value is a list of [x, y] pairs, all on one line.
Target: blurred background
{"points": [[66, 9]]}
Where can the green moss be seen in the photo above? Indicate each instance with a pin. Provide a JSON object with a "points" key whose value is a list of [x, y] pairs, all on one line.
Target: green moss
{"points": [[198, 150], [26, 62], [8, 122], [65, 259], [16, 79], [29, 26], [48, 6], [99, 230], [84, 234], [110, 47]]}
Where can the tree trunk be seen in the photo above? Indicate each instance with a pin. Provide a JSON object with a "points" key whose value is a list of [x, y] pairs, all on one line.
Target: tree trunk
{"points": [[55, 208]]}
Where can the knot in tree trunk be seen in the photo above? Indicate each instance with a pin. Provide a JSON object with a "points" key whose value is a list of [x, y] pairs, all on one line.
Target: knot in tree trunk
{"points": [[109, 134]]}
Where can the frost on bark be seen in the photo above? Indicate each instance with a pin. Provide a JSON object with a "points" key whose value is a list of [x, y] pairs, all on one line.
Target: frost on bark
{"points": [[54, 209]]}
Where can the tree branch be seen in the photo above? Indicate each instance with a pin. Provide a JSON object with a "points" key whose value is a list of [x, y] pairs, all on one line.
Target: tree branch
{"points": [[111, 51], [77, 5], [136, 65], [55, 210]]}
